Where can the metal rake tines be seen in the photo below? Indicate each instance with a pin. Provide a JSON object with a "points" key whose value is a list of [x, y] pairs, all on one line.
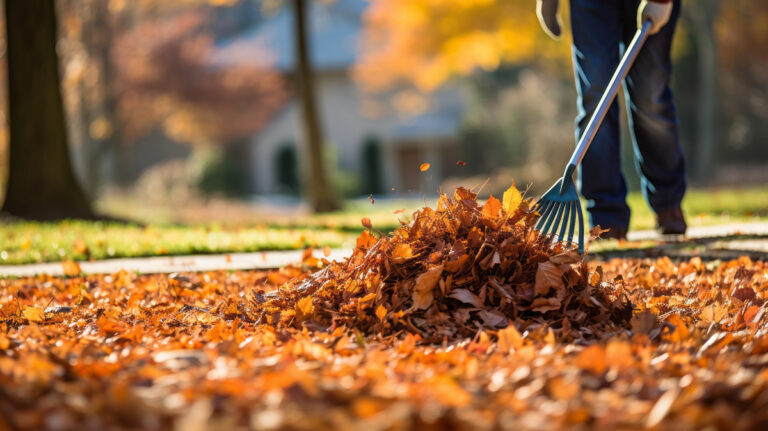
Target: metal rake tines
{"points": [[559, 214]]}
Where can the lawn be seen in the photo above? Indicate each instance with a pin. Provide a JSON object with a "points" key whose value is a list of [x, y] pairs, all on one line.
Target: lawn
{"points": [[27, 242]]}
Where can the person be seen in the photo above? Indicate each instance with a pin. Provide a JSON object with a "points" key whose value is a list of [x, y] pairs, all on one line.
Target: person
{"points": [[601, 29]]}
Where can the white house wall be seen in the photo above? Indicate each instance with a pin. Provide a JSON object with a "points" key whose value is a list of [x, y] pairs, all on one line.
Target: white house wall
{"points": [[344, 126]]}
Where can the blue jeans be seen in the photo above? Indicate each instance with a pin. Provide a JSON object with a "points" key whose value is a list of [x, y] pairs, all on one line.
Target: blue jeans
{"points": [[601, 30]]}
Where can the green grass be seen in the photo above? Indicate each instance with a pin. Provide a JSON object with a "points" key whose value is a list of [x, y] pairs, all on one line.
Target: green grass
{"points": [[706, 207], [28, 242]]}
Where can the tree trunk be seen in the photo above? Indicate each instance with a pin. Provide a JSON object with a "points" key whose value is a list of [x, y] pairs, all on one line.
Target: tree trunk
{"points": [[41, 182], [702, 17], [319, 190]]}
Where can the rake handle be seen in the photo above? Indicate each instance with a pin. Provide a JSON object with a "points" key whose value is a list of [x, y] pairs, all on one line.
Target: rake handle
{"points": [[605, 102]]}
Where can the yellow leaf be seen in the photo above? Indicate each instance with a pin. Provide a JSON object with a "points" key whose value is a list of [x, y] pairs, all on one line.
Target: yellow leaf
{"points": [[70, 268], [512, 199], [33, 314], [381, 312], [424, 167], [423, 292]]}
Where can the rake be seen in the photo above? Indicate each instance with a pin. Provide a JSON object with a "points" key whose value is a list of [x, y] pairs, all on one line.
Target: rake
{"points": [[559, 206]]}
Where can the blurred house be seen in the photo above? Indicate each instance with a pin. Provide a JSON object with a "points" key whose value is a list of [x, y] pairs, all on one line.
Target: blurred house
{"points": [[373, 147]]}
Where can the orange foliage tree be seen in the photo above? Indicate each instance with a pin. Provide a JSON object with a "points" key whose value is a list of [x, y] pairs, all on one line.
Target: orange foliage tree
{"points": [[426, 42], [172, 85]]}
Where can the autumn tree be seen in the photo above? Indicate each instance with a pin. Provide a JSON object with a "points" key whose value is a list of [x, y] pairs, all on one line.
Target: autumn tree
{"points": [[164, 80], [41, 183], [424, 43]]}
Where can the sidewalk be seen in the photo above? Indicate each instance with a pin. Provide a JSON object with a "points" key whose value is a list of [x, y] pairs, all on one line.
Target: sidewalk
{"points": [[168, 264], [728, 241]]}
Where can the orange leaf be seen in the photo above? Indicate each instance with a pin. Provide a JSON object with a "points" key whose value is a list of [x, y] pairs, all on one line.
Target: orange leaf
{"points": [[381, 312], [402, 252], [366, 222], [304, 306], [326, 251], [492, 207], [33, 314], [509, 338], [70, 268], [424, 167], [592, 359], [365, 240]]}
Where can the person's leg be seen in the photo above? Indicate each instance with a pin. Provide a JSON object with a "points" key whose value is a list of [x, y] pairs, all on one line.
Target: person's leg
{"points": [[653, 119], [597, 33]]}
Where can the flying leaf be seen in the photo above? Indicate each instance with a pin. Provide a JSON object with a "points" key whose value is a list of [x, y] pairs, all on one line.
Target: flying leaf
{"points": [[512, 199], [424, 167], [366, 222]]}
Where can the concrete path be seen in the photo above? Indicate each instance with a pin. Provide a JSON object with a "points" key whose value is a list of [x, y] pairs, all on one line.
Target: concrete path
{"points": [[747, 238], [168, 264]]}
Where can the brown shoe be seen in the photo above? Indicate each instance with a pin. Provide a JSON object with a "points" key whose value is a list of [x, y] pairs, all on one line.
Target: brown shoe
{"points": [[671, 222]]}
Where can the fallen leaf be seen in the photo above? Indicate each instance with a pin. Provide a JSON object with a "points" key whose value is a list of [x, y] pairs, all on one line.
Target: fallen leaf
{"points": [[509, 339], [548, 276], [466, 297], [366, 222], [592, 359], [644, 322], [423, 291], [662, 406], [305, 307], [402, 252], [512, 199], [70, 268], [33, 314], [381, 312], [492, 208]]}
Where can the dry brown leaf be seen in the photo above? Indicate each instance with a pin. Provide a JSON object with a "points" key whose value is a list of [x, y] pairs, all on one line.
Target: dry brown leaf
{"points": [[423, 291], [548, 276]]}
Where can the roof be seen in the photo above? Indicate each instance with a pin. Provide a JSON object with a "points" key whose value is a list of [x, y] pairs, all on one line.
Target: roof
{"points": [[334, 31]]}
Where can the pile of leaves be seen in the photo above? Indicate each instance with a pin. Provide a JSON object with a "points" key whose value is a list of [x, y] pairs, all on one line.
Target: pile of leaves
{"points": [[453, 271], [160, 352]]}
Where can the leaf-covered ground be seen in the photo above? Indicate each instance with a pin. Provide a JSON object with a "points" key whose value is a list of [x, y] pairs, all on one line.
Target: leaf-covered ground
{"points": [[157, 352], [464, 319]]}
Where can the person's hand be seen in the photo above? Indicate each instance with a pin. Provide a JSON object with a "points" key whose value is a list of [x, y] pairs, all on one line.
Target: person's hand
{"points": [[656, 12], [546, 10]]}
